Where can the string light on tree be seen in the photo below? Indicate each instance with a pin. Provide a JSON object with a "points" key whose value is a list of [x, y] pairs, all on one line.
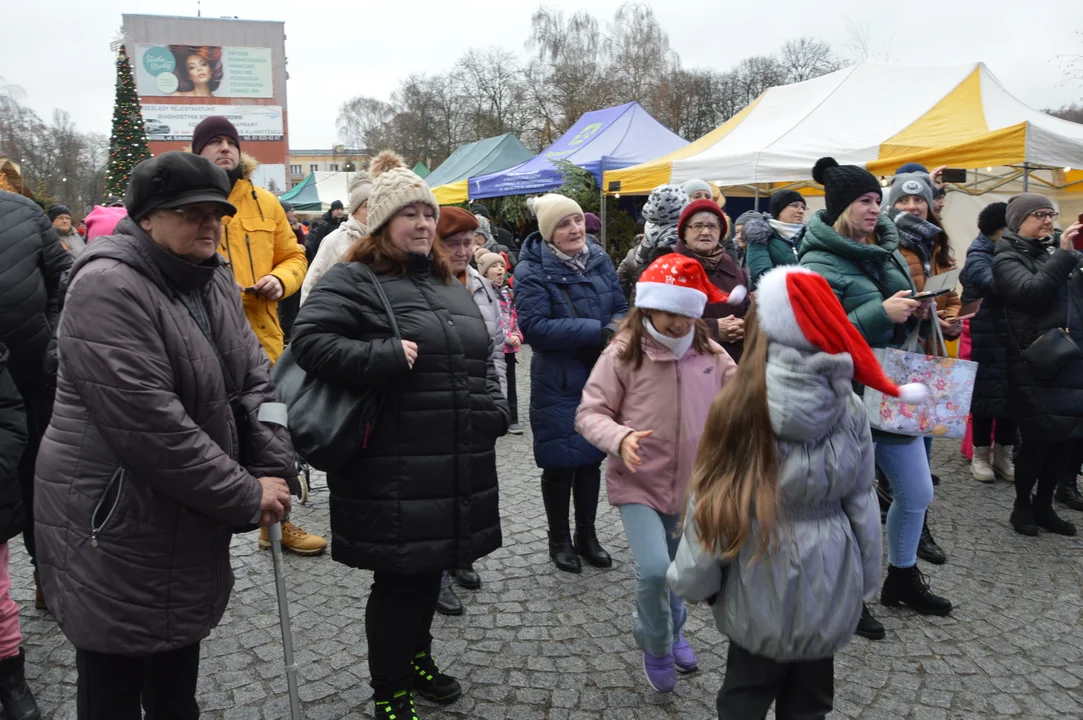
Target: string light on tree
{"points": [[128, 143]]}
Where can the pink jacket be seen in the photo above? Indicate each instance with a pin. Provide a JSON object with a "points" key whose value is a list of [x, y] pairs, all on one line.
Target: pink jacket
{"points": [[665, 395]]}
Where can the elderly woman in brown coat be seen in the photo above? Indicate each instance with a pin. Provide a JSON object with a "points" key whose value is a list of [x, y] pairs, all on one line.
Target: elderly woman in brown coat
{"points": [[164, 441]]}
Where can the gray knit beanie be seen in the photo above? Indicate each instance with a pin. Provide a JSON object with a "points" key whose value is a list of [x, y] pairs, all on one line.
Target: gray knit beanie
{"points": [[915, 183], [1022, 205]]}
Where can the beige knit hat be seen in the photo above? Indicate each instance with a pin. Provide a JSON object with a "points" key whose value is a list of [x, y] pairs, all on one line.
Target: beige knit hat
{"points": [[489, 259], [359, 191], [394, 187], [551, 209]]}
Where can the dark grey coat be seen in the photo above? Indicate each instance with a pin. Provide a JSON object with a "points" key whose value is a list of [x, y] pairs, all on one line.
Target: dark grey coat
{"points": [[138, 491]]}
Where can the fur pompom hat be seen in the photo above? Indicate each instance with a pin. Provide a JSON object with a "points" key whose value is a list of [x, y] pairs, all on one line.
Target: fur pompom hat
{"points": [[842, 185], [799, 309], [394, 186]]}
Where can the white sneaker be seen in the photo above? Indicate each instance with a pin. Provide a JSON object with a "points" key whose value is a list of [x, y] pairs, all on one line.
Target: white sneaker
{"points": [[1002, 462], [979, 466]]}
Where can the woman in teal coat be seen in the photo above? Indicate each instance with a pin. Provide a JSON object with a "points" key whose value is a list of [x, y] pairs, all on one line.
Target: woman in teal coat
{"points": [[856, 250], [772, 241]]}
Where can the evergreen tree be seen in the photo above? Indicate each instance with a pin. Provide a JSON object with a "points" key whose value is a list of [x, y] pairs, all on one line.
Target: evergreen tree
{"points": [[128, 143]]}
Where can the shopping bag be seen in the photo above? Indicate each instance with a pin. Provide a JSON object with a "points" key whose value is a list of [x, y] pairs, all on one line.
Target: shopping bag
{"points": [[950, 383]]}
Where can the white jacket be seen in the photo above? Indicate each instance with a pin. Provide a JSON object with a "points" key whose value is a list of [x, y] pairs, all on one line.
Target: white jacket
{"points": [[331, 251]]}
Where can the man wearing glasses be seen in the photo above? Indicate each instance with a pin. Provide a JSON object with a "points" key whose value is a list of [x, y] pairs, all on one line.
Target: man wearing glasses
{"points": [[266, 261]]}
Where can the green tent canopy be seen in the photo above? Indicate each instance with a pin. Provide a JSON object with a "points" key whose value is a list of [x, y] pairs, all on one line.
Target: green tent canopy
{"points": [[421, 170], [448, 181]]}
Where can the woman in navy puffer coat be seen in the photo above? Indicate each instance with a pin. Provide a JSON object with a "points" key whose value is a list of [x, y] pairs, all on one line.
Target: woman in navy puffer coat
{"points": [[569, 303]]}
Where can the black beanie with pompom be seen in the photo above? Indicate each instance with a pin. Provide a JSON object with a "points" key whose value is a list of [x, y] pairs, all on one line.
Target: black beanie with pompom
{"points": [[842, 185]]}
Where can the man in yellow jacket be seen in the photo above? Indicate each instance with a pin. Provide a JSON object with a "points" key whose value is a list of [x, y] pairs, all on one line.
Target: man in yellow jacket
{"points": [[267, 262]]}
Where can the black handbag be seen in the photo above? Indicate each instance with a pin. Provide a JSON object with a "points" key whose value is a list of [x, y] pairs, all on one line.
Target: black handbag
{"points": [[329, 424], [1053, 351]]}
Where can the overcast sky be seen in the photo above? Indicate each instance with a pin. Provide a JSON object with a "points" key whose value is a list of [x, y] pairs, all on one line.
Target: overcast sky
{"points": [[57, 51]]}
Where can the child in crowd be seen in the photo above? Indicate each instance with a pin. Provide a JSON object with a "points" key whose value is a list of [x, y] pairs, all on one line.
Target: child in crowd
{"points": [[645, 405], [782, 529], [493, 267]]}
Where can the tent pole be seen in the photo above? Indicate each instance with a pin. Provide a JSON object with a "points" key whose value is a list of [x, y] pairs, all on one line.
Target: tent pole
{"points": [[1026, 177], [756, 200], [601, 213]]}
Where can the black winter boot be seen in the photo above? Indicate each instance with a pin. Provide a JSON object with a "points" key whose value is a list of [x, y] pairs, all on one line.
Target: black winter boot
{"points": [[467, 578], [1048, 520], [1068, 493], [1022, 519], [556, 488], [587, 484], [15, 695], [868, 626], [907, 586], [399, 706], [448, 602], [928, 550], [430, 683]]}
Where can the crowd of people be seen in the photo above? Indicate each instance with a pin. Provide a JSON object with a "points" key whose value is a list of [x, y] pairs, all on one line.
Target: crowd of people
{"points": [[720, 368]]}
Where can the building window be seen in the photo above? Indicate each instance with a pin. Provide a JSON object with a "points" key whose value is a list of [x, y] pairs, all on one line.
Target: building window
{"points": [[295, 169], [314, 167], [334, 167]]}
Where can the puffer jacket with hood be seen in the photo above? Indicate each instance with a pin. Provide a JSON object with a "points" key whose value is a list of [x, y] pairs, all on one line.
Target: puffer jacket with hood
{"points": [[139, 483], [988, 332], [487, 298], [803, 601], [327, 224], [766, 248], [259, 241], [332, 249]]}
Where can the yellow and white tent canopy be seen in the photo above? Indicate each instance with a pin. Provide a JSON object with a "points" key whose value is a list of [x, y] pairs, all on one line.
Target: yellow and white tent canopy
{"points": [[870, 114]]}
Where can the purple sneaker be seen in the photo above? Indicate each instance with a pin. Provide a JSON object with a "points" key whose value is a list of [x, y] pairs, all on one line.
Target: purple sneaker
{"points": [[684, 657], [661, 672]]}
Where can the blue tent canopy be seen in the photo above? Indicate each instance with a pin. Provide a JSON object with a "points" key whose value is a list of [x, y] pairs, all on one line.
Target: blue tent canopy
{"points": [[601, 140]]}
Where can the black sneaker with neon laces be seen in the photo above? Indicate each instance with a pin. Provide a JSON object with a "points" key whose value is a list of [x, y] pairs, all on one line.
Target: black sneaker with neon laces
{"points": [[432, 684], [399, 706]]}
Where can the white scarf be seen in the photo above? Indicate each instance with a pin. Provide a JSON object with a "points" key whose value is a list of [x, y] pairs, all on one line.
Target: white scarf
{"points": [[677, 346], [785, 230]]}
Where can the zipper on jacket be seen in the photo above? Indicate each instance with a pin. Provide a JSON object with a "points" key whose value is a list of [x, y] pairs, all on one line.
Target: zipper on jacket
{"points": [[258, 207], [111, 495], [251, 264], [229, 250], [678, 447]]}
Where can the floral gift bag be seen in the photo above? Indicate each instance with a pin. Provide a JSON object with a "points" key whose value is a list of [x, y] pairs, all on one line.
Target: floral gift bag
{"points": [[950, 383]]}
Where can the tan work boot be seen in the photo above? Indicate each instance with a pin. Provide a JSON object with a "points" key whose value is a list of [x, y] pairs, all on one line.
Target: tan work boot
{"points": [[294, 540]]}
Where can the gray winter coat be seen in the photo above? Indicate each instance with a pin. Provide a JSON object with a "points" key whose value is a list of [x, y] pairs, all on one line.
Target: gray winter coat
{"points": [[488, 301], [138, 487], [803, 602]]}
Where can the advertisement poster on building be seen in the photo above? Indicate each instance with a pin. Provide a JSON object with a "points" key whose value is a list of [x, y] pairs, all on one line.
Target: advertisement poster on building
{"points": [[177, 122], [203, 71]]}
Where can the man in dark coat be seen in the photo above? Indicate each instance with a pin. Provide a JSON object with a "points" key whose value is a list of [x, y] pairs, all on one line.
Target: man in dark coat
{"points": [[30, 294], [327, 225]]}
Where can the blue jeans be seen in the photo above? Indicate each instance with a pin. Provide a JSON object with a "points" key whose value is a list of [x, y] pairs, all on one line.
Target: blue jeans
{"points": [[660, 613], [906, 466]]}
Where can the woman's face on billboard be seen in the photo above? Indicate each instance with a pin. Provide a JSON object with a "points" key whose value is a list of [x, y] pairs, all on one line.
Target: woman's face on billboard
{"points": [[199, 70]]}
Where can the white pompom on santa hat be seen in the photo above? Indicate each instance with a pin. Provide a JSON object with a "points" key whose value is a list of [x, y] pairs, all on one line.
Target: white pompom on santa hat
{"points": [[678, 284], [798, 308]]}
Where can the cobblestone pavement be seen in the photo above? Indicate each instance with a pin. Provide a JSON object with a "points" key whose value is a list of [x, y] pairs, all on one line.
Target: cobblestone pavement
{"points": [[538, 644]]}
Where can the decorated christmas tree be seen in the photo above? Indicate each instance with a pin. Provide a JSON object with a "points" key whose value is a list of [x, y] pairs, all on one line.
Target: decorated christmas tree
{"points": [[128, 144]]}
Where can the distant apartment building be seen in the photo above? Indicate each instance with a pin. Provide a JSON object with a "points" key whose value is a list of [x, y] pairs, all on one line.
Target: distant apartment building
{"points": [[337, 159]]}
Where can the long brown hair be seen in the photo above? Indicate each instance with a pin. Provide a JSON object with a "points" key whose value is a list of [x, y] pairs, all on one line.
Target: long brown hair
{"points": [[735, 477], [379, 253], [942, 251], [632, 354]]}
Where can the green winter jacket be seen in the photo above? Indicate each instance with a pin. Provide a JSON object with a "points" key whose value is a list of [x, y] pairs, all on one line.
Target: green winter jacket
{"points": [[766, 249], [850, 269]]}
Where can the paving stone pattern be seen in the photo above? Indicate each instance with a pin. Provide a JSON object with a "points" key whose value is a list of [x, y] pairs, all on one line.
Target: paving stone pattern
{"points": [[539, 644]]}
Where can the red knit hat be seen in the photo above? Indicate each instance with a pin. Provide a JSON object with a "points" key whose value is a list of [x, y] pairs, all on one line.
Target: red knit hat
{"points": [[702, 206], [798, 308], [678, 284]]}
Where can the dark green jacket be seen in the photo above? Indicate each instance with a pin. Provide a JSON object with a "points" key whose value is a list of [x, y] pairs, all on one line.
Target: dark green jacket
{"points": [[862, 276], [766, 251]]}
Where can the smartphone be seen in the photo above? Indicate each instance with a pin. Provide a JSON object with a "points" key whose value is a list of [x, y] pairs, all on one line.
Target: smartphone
{"points": [[251, 290], [953, 175], [929, 294], [969, 310]]}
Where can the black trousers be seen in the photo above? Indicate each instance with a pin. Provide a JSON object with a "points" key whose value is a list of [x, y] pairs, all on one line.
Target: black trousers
{"points": [[398, 619], [800, 690], [287, 313], [513, 396], [982, 430], [38, 389], [112, 687], [1041, 465]]}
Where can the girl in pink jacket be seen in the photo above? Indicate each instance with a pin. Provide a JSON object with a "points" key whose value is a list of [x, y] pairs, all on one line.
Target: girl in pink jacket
{"points": [[645, 405]]}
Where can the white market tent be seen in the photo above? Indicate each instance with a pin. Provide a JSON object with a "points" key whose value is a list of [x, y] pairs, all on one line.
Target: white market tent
{"points": [[317, 191]]}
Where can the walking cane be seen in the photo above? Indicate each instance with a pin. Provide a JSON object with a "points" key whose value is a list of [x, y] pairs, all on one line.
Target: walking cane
{"points": [[275, 532]]}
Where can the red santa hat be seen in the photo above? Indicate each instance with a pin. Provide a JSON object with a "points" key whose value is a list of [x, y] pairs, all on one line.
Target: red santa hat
{"points": [[678, 284], [798, 308]]}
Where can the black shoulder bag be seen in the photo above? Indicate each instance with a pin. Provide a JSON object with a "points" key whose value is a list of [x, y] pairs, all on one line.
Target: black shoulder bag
{"points": [[1051, 352], [330, 424]]}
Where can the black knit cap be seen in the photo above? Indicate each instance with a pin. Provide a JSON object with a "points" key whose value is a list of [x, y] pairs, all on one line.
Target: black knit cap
{"points": [[211, 127], [783, 199], [842, 185], [57, 210], [175, 179]]}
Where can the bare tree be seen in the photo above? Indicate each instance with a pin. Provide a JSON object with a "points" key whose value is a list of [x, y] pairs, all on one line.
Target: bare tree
{"points": [[806, 58], [863, 47], [637, 52], [359, 117]]}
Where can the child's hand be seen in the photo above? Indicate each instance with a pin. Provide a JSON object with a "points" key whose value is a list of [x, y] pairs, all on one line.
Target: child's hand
{"points": [[629, 448]]}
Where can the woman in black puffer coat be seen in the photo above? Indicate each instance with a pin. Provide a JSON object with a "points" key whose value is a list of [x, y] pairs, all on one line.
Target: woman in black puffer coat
{"points": [[1041, 283], [989, 347], [423, 496]]}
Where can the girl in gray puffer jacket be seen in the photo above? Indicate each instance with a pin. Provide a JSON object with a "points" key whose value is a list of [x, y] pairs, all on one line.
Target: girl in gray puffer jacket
{"points": [[782, 532]]}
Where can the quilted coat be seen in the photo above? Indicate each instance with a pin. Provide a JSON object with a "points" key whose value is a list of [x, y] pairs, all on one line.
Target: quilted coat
{"points": [[988, 332], [1041, 291], [139, 488], [562, 313], [422, 496]]}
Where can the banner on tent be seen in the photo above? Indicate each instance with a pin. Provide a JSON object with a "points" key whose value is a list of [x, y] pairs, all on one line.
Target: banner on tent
{"points": [[203, 71], [177, 122]]}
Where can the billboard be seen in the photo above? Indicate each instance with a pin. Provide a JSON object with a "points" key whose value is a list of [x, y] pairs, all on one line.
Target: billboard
{"points": [[203, 71], [177, 122]]}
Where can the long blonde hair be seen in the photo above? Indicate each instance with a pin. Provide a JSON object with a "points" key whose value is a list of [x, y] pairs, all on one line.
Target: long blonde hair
{"points": [[735, 476]]}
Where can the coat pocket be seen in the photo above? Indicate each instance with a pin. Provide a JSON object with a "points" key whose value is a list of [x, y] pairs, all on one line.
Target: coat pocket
{"points": [[106, 508]]}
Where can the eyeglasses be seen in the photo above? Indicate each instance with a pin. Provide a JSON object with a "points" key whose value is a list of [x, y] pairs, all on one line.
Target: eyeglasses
{"points": [[1044, 215], [198, 215], [700, 227], [798, 206]]}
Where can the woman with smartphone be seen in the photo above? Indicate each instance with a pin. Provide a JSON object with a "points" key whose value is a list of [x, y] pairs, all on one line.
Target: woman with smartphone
{"points": [[857, 250]]}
